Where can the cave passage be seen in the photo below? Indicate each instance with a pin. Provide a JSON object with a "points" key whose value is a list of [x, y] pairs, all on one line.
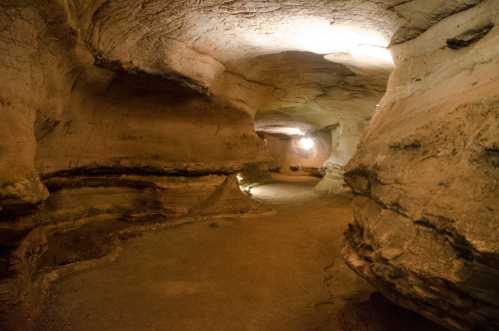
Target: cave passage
{"points": [[277, 271], [294, 165]]}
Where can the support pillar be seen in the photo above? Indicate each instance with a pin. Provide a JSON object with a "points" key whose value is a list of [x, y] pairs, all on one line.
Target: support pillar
{"points": [[345, 139]]}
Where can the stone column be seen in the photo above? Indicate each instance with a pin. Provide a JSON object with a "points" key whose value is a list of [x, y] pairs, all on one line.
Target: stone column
{"points": [[345, 139]]}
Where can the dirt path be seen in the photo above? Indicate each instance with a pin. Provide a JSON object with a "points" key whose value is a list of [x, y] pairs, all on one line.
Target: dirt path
{"points": [[280, 272]]}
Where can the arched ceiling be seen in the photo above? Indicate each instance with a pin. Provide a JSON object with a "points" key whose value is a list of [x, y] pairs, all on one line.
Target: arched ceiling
{"points": [[311, 58]]}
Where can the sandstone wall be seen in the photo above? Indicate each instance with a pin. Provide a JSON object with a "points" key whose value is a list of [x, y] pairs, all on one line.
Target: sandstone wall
{"points": [[146, 124], [60, 112], [85, 142], [35, 71], [426, 176]]}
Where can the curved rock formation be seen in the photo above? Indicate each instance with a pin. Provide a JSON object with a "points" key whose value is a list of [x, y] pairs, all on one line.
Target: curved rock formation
{"points": [[426, 177], [86, 141]]}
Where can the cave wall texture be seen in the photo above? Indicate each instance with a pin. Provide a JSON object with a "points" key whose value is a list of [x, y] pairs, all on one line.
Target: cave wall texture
{"points": [[84, 141], [60, 113], [36, 77], [426, 176], [142, 122], [141, 112]]}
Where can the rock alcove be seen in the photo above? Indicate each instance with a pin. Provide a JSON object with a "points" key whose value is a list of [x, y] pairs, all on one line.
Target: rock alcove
{"points": [[168, 164]]}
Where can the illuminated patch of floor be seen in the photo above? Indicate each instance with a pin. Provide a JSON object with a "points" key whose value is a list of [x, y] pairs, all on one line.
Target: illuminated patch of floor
{"points": [[281, 192]]}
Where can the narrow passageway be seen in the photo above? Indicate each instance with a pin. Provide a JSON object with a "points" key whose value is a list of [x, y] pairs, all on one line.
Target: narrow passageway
{"points": [[274, 272]]}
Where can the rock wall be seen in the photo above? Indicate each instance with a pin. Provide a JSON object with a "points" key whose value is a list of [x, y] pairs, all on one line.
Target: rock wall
{"points": [[85, 142], [35, 71], [60, 111], [119, 121], [426, 176]]}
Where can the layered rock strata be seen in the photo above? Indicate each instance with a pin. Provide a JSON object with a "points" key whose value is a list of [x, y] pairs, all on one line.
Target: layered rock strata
{"points": [[90, 149], [426, 177], [86, 217]]}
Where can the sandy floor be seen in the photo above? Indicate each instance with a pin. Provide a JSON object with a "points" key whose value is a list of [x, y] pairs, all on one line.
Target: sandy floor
{"points": [[288, 190], [280, 272]]}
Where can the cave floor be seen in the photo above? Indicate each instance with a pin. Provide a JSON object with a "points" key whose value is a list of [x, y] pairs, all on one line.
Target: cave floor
{"points": [[275, 272]]}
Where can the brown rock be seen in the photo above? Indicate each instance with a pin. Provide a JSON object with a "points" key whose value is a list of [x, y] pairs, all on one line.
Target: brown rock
{"points": [[426, 179]]}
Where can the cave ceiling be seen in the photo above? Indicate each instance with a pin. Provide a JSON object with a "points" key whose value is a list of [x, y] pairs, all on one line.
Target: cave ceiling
{"points": [[309, 59]]}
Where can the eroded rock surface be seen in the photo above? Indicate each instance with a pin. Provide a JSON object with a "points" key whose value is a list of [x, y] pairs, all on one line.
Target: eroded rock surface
{"points": [[426, 178], [86, 141], [99, 209]]}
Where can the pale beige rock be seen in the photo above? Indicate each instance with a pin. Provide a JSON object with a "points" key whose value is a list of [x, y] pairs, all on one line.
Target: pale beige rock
{"points": [[426, 177], [139, 122]]}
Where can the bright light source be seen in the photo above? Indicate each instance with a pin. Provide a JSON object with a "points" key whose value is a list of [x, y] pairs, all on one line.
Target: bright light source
{"points": [[239, 177], [306, 143]]}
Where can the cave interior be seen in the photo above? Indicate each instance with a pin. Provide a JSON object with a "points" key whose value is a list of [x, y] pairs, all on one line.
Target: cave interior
{"points": [[260, 165]]}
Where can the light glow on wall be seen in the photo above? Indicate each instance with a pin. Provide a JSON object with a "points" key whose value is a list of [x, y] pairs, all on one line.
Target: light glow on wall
{"points": [[288, 131], [372, 54], [320, 36]]}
